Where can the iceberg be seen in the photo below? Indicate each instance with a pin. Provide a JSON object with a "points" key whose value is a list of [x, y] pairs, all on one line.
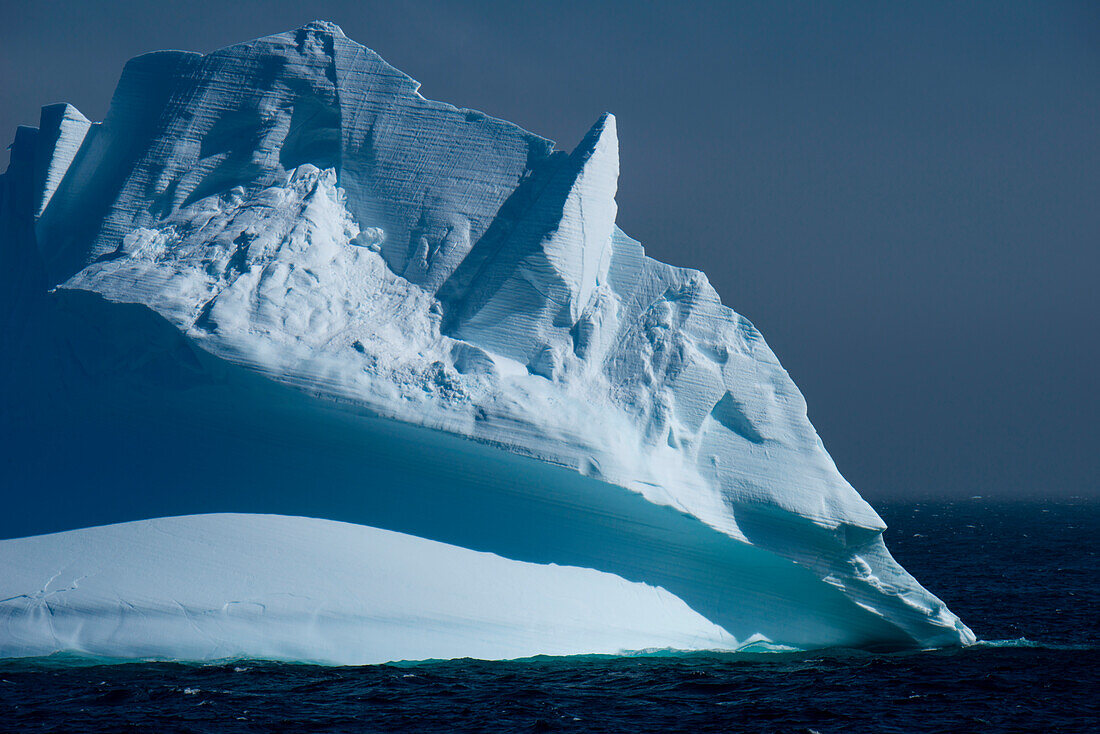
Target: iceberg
{"points": [[276, 280]]}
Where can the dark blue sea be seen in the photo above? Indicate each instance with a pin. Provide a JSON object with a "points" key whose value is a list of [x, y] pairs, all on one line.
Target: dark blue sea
{"points": [[1025, 577]]}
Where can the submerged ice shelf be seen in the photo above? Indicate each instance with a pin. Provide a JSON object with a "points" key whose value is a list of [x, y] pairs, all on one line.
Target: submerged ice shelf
{"points": [[307, 590], [276, 279]]}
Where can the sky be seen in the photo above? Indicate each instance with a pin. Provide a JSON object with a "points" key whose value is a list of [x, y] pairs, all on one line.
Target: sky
{"points": [[903, 197]]}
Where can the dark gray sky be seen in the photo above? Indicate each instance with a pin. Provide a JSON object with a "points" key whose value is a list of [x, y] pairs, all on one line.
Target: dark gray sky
{"points": [[905, 198]]}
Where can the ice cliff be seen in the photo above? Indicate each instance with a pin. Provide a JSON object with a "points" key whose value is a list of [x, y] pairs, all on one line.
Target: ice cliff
{"points": [[276, 279]]}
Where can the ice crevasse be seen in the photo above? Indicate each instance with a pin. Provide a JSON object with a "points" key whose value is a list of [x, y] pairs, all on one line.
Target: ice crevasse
{"points": [[305, 366]]}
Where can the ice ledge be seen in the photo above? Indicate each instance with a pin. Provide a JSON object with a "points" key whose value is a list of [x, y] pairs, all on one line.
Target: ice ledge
{"points": [[210, 587]]}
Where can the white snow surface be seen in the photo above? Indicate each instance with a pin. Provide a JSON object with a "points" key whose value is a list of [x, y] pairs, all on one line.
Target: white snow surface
{"points": [[215, 587], [293, 206]]}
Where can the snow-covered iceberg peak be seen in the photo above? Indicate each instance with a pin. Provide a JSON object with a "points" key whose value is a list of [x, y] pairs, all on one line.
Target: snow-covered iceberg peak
{"points": [[521, 291], [282, 251]]}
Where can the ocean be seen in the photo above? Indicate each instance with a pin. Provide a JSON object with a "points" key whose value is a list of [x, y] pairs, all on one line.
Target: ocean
{"points": [[1024, 576]]}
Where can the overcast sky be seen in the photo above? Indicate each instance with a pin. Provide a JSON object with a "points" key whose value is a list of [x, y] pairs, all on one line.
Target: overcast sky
{"points": [[904, 198]]}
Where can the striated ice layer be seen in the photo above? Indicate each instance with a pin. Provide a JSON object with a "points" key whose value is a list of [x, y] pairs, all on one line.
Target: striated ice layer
{"points": [[281, 251]]}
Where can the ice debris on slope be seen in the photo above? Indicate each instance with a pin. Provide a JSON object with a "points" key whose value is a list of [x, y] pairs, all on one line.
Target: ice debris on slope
{"points": [[294, 205]]}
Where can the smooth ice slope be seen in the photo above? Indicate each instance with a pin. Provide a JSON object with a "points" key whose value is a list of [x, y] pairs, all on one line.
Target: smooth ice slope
{"points": [[210, 587], [281, 252]]}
